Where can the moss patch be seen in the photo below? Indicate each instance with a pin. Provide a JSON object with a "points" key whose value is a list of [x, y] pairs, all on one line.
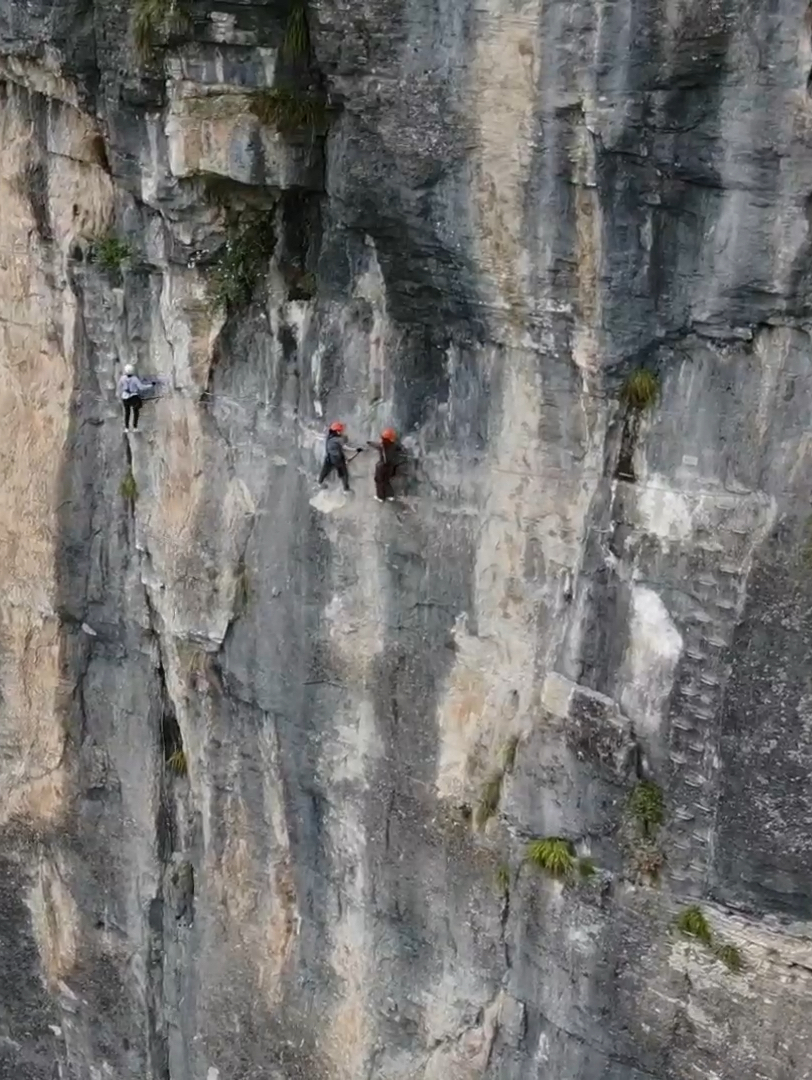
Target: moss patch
{"points": [[128, 488]]}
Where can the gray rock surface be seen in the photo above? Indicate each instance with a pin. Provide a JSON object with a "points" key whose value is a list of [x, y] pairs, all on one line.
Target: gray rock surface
{"points": [[250, 731]]}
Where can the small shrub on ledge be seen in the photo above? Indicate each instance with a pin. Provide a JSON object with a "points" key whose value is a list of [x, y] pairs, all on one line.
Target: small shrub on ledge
{"points": [[731, 957], [110, 251], [556, 857], [646, 806], [552, 854], [692, 923]]}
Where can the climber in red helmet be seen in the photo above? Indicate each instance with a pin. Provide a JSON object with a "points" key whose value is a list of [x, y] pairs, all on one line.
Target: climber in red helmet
{"points": [[334, 458], [388, 461]]}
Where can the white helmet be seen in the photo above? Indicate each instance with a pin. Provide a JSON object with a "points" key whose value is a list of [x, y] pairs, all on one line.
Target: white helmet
{"points": [[129, 369]]}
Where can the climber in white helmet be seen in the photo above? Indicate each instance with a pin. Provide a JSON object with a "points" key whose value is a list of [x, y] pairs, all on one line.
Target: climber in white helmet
{"points": [[129, 390]]}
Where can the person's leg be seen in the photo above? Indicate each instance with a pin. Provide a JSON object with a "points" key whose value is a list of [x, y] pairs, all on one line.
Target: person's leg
{"points": [[344, 473], [388, 490], [326, 469], [380, 482], [126, 404], [136, 404]]}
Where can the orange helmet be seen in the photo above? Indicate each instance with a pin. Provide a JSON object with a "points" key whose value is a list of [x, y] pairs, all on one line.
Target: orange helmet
{"points": [[337, 427], [389, 435]]}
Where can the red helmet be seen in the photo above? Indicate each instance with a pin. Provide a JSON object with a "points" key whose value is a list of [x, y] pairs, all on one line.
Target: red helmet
{"points": [[389, 435], [337, 427]]}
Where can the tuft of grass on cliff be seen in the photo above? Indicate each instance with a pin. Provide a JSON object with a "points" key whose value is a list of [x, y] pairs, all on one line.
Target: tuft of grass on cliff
{"points": [[692, 923], [296, 43], [289, 110], [552, 854], [155, 20], [110, 251], [640, 390]]}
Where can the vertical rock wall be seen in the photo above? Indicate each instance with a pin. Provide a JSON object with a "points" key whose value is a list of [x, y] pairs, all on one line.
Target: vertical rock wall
{"points": [[271, 757]]}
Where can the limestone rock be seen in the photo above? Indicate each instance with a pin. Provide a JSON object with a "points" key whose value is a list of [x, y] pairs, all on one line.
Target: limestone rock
{"points": [[248, 727]]}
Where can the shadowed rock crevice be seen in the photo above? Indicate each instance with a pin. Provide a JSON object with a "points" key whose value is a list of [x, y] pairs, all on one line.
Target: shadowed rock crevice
{"points": [[29, 1050]]}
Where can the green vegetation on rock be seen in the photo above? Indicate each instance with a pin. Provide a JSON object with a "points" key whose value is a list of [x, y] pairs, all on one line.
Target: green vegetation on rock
{"points": [[296, 43], [242, 261], [730, 956], [176, 762], [129, 488], [552, 854], [646, 806], [289, 110], [640, 390], [645, 814], [586, 868], [691, 922], [155, 20], [110, 251]]}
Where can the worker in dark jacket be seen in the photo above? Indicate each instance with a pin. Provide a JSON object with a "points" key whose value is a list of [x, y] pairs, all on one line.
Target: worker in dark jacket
{"points": [[334, 457], [388, 461]]}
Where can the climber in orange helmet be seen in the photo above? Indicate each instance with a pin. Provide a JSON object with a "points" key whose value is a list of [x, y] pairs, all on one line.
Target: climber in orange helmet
{"points": [[388, 461], [334, 457]]}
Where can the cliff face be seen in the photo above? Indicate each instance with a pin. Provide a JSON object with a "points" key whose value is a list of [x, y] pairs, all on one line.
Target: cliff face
{"points": [[271, 757]]}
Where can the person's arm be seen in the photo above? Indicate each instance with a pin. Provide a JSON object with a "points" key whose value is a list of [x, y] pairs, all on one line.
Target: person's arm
{"points": [[145, 384]]}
